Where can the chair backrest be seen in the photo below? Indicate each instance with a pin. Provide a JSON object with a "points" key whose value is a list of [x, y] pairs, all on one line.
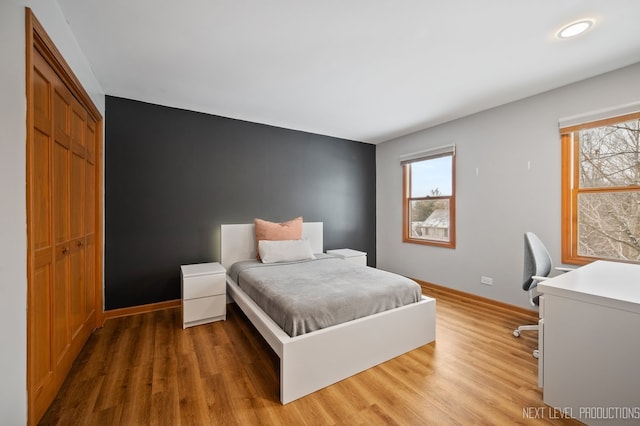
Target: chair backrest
{"points": [[537, 260]]}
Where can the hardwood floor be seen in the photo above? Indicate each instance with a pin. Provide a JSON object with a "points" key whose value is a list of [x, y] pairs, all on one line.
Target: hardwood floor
{"points": [[145, 369]]}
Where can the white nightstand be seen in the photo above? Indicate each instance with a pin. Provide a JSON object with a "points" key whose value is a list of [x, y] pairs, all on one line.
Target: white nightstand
{"points": [[354, 256], [204, 293]]}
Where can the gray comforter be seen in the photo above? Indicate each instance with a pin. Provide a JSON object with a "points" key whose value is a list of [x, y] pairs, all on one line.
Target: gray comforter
{"points": [[309, 295]]}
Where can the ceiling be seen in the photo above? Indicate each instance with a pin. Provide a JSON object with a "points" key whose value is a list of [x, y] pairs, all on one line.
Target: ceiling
{"points": [[365, 70]]}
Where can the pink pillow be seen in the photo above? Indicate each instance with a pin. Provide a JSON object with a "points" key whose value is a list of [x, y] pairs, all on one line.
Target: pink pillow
{"points": [[265, 230]]}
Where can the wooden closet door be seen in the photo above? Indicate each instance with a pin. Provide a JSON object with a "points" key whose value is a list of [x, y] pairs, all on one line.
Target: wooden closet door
{"points": [[42, 248], [76, 219], [61, 145], [64, 301], [90, 252]]}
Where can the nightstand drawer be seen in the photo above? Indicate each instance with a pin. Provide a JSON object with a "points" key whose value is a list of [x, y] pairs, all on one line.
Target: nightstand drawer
{"points": [[204, 308], [204, 285]]}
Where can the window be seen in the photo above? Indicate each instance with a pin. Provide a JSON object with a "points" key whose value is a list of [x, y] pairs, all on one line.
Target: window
{"points": [[429, 197], [601, 190]]}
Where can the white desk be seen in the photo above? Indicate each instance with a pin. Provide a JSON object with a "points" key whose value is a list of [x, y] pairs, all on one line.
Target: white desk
{"points": [[590, 343]]}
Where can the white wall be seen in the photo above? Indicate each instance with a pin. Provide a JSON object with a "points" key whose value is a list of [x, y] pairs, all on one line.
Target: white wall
{"points": [[13, 231], [505, 198]]}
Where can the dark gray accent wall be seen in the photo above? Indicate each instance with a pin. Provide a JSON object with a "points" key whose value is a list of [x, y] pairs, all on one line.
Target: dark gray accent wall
{"points": [[172, 177]]}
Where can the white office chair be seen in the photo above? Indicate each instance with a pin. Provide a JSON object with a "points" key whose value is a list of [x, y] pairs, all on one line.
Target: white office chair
{"points": [[537, 267]]}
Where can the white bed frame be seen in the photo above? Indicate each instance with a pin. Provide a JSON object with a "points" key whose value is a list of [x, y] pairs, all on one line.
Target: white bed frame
{"points": [[315, 360]]}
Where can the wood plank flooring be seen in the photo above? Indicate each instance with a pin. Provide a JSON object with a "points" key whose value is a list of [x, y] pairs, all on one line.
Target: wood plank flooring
{"points": [[146, 370]]}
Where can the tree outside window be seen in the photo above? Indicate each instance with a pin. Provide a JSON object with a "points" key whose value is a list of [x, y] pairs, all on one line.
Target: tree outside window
{"points": [[601, 190]]}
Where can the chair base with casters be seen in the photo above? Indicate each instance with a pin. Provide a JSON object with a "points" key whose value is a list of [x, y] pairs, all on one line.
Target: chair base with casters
{"points": [[537, 267], [535, 302], [516, 333]]}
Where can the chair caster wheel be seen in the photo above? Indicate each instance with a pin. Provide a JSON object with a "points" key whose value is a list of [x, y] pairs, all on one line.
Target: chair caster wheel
{"points": [[536, 354], [516, 333]]}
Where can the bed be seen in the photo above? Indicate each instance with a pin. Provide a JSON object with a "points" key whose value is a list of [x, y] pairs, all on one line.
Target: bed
{"points": [[314, 360]]}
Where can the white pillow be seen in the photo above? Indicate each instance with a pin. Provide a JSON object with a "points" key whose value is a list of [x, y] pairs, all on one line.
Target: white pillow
{"points": [[272, 251]]}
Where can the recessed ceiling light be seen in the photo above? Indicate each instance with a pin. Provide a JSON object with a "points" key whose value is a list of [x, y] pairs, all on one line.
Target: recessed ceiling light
{"points": [[575, 28]]}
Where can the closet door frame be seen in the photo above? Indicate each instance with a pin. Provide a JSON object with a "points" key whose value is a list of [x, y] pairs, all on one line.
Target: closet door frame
{"points": [[38, 40]]}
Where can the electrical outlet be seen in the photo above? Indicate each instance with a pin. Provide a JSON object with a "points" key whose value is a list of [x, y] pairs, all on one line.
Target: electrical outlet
{"points": [[486, 280]]}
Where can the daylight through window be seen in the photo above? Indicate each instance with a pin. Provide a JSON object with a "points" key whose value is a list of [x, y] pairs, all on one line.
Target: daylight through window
{"points": [[429, 197], [601, 190]]}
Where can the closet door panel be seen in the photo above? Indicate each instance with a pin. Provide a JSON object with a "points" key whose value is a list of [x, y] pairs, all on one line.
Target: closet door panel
{"points": [[41, 365], [61, 336], [40, 230], [77, 197], [61, 192], [90, 141], [61, 115], [90, 199], [78, 125], [41, 88], [90, 276], [76, 290]]}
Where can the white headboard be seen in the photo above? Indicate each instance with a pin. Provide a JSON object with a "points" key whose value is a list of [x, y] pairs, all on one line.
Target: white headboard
{"points": [[238, 242]]}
